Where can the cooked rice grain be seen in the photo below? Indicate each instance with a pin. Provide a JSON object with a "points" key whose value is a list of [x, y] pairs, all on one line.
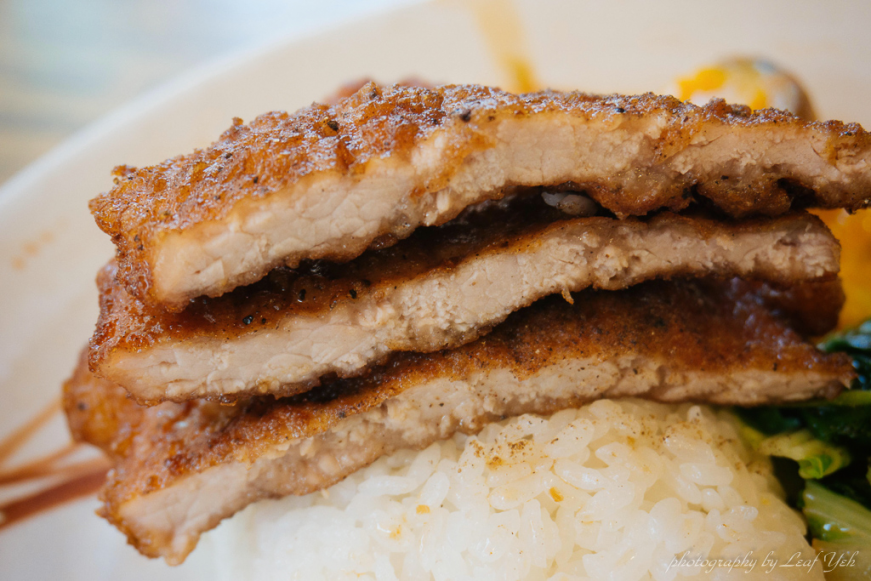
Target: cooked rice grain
{"points": [[617, 490]]}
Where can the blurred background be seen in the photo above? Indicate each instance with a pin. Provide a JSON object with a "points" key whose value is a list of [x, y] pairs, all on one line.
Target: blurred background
{"points": [[65, 63]]}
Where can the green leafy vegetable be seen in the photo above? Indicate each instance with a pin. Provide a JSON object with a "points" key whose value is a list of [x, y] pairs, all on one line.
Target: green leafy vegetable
{"points": [[769, 420], [833, 517], [852, 482], [849, 397], [857, 344], [830, 441], [815, 458], [837, 506], [849, 426]]}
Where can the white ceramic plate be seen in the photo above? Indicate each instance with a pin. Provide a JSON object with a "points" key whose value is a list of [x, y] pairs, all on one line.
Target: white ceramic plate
{"points": [[50, 248]]}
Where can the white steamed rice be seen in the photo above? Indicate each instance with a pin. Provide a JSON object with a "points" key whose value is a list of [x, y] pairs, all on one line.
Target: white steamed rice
{"points": [[618, 490]]}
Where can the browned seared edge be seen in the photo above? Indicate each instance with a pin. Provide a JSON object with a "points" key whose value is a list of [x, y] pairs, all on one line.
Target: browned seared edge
{"points": [[279, 149], [696, 326], [128, 324]]}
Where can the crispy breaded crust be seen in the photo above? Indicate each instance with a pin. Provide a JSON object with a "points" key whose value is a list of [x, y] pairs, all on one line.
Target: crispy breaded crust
{"points": [[327, 181], [98, 411], [811, 308], [680, 340], [440, 288]]}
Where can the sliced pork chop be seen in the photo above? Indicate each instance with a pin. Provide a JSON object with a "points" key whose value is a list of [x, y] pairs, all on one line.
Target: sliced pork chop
{"points": [[182, 468], [327, 181], [440, 288]]}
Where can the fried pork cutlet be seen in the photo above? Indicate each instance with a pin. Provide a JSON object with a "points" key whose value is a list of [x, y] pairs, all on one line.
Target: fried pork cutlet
{"points": [[438, 289], [182, 468], [329, 181]]}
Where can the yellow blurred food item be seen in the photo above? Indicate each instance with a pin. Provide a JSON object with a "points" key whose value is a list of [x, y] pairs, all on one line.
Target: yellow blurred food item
{"points": [[503, 32], [756, 83], [854, 232], [760, 84]]}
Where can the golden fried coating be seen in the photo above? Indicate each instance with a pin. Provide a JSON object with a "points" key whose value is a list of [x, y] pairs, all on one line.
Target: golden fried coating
{"points": [[181, 468], [328, 181]]}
